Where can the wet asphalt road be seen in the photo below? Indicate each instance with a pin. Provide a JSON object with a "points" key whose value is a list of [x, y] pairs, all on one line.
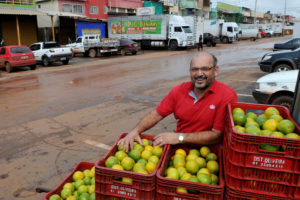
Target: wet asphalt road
{"points": [[54, 117]]}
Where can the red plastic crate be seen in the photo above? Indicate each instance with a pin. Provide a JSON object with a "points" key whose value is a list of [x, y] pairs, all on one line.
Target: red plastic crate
{"points": [[244, 148], [166, 188], [234, 194], [81, 166], [142, 187]]}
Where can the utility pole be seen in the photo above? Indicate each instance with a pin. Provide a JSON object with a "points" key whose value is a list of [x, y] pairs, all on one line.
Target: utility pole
{"points": [[284, 12], [255, 12]]}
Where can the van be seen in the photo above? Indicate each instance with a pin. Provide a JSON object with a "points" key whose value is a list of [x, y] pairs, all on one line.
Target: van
{"points": [[246, 34]]}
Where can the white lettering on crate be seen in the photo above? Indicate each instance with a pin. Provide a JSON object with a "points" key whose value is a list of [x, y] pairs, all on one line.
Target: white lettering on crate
{"points": [[268, 162], [129, 192]]}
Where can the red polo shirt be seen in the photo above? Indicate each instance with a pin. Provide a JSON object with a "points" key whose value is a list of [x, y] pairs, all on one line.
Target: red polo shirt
{"points": [[202, 115]]}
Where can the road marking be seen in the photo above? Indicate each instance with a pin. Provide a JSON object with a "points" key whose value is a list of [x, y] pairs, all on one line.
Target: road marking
{"points": [[98, 144], [245, 95]]}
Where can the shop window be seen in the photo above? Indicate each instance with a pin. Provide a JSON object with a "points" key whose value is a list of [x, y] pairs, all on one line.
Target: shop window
{"points": [[93, 10]]}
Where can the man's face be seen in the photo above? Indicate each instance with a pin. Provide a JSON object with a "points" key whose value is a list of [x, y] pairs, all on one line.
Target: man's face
{"points": [[203, 72]]}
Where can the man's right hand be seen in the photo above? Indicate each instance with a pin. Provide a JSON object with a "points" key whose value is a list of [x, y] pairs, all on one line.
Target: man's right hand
{"points": [[129, 140]]}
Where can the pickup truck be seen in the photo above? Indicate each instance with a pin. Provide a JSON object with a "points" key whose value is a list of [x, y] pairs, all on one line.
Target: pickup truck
{"points": [[93, 45], [48, 52]]}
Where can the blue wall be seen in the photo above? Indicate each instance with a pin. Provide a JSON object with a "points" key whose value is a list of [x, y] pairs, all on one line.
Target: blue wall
{"points": [[90, 25]]}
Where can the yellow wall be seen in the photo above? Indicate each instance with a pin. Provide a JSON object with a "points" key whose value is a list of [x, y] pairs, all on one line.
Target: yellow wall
{"points": [[27, 27]]}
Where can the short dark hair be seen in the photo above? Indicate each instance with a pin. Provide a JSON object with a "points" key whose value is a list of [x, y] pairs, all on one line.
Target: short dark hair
{"points": [[215, 60]]}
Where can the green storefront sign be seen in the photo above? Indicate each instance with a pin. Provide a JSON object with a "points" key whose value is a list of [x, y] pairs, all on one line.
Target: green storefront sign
{"points": [[224, 7], [136, 27]]}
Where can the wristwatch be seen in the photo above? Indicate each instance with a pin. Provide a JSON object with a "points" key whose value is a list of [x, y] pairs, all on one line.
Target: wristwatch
{"points": [[181, 138]]}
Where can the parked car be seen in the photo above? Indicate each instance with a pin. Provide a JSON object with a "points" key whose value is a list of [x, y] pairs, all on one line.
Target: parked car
{"points": [[280, 61], [262, 33], [209, 39], [48, 52], [291, 44], [276, 88], [128, 46], [16, 56]]}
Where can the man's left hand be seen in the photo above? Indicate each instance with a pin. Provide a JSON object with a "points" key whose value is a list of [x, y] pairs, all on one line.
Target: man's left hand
{"points": [[166, 138]]}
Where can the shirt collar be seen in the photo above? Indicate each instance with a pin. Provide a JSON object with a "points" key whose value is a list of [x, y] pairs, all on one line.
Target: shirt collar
{"points": [[212, 89]]}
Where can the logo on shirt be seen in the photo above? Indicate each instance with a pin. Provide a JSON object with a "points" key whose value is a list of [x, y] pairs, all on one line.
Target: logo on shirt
{"points": [[212, 107]]}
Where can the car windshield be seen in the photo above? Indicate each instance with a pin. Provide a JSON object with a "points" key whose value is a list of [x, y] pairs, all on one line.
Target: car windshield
{"points": [[79, 40], [186, 29], [20, 50], [125, 42], [51, 45]]}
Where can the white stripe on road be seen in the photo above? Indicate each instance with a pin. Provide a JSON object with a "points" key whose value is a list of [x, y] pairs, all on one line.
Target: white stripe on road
{"points": [[245, 95], [98, 144]]}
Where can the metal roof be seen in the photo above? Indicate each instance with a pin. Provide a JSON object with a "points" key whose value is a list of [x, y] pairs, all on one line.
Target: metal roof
{"points": [[19, 11]]}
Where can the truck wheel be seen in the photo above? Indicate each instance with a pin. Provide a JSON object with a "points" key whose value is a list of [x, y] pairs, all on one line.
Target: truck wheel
{"points": [[133, 53], [208, 43], [253, 39], [173, 45], [65, 62], [282, 67], [123, 52], [284, 100], [8, 67], [268, 35], [33, 67], [214, 44], [225, 40], [45, 61], [92, 53]]}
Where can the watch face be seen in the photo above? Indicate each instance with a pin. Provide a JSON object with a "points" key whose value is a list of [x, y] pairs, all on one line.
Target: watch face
{"points": [[181, 138]]}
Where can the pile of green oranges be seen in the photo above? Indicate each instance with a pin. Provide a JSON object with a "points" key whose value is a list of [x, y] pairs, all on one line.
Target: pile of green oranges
{"points": [[271, 123], [141, 159], [82, 187], [199, 166]]}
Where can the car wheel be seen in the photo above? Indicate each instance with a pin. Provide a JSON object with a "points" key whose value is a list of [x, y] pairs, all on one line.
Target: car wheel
{"points": [[225, 40], [133, 53], [268, 35], [92, 53], [8, 67], [284, 100], [173, 45], [214, 44], [123, 52], [45, 61], [65, 62], [208, 43], [253, 39], [282, 67], [33, 67]]}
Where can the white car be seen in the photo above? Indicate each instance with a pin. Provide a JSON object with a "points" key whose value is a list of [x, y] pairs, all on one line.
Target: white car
{"points": [[276, 88]]}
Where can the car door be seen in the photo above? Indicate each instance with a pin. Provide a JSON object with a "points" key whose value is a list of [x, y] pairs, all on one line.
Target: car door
{"points": [[2, 56], [35, 50]]}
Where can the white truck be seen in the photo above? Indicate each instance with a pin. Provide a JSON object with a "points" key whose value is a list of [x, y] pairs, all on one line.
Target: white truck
{"points": [[48, 52], [93, 45], [152, 30], [226, 31], [196, 23]]}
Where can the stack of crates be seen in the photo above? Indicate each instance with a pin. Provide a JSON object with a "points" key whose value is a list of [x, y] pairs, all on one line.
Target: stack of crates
{"points": [[253, 173]]}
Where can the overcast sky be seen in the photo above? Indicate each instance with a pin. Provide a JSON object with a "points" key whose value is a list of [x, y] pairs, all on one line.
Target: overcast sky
{"points": [[275, 6]]}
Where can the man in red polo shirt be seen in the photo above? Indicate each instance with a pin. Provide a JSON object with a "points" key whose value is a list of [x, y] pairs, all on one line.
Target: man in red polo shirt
{"points": [[199, 106]]}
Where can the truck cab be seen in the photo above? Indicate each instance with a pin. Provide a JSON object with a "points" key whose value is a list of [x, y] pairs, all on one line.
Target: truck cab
{"points": [[180, 33], [230, 31]]}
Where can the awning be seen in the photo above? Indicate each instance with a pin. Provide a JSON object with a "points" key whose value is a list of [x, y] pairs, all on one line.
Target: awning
{"points": [[20, 11], [61, 14]]}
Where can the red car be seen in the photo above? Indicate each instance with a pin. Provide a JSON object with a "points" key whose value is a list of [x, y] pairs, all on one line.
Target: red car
{"points": [[16, 56], [262, 33]]}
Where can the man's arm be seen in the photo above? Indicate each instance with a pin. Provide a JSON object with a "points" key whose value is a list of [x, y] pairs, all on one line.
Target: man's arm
{"points": [[203, 138], [146, 123]]}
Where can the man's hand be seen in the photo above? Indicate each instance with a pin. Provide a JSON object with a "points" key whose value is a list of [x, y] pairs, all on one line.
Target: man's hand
{"points": [[166, 138], [128, 141]]}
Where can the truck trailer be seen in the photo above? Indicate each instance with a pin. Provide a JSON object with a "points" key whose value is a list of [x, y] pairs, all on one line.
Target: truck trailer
{"points": [[226, 31], [152, 30]]}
